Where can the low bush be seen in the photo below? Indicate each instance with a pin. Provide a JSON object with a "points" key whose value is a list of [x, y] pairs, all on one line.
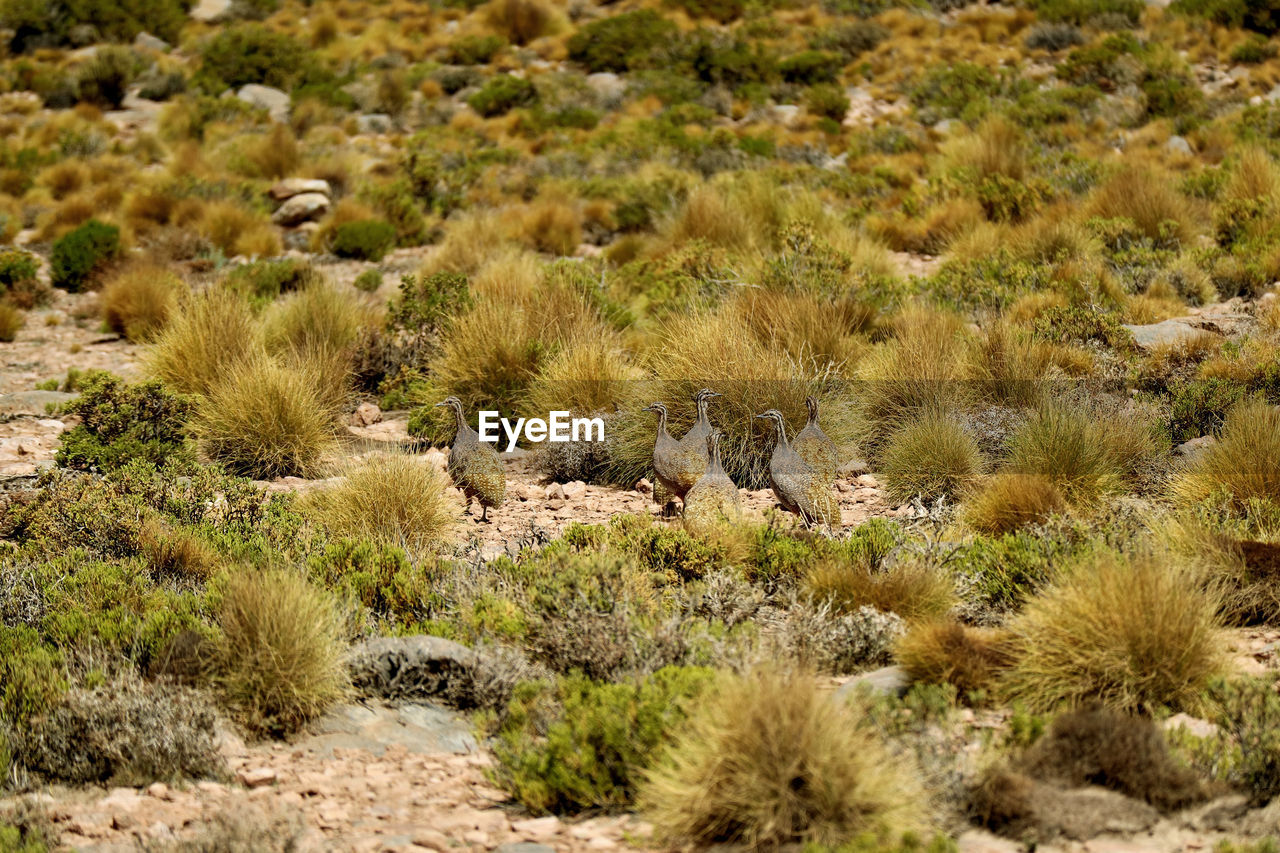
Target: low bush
{"points": [[473, 50], [1089, 12], [104, 80], [1260, 16], [1248, 710], [18, 271], [364, 240], [584, 745], [827, 100], [1133, 632], [46, 25], [502, 94], [138, 301], [266, 280], [622, 42], [11, 322], [930, 458], [810, 67], [79, 254], [264, 418], [120, 423], [126, 733], [1068, 447], [520, 21], [369, 281], [251, 53], [280, 653], [393, 499], [770, 760], [910, 588]]}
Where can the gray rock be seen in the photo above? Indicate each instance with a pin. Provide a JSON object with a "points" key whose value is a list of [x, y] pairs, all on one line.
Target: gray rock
{"points": [[290, 187], [301, 208], [785, 114], [146, 41], [524, 847], [1085, 813], [408, 667], [609, 87], [1192, 725], [32, 402], [1273, 96], [1195, 446], [373, 123], [211, 11], [1178, 145], [275, 102], [1166, 333], [888, 680], [944, 127]]}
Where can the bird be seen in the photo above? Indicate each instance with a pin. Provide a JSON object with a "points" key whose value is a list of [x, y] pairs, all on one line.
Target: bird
{"points": [[691, 462], [474, 465], [714, 497], [797, 485], [666, 456], [814, 447]]}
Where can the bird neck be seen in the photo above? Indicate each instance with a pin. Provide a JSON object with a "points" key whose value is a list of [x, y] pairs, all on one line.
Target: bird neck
{"points": [[662, 422], [702, 411], [782, 433], [813, 416], [715, 459], [461, 422]]}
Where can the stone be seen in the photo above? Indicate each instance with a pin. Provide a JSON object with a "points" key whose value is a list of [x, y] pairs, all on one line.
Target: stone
{"points": [[608, 86], [887, 680], [301, 208], [32, 402], [1195, 446], [290, 187], [146, 41], [537, 827], [555, 492], [159, 791], [415, 666], [1163, 334], [575, 490], [366, 414], [123, 821], [785, 114], [431, 839], [256, 777], [1273, 96], [373, 123], [524, 847], [211, 11], [856, 467], [275, 102], [644, 487], [1178, 145]]}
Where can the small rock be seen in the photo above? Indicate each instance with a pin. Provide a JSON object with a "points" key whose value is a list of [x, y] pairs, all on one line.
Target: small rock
{"points": [[366, 414], [537, 827], [146, 41], [1195, 446], [1166, 333], [431, 840], [290, 187], [575, 490], [1273, 96], [888, 679], [1178, 145], [211, 11], [1193, 725], [159, 791], [555, 492], [785, 114], [868, 481], [275, 102], [301, 208], [524, 847], [607, 85], [256, 777], [123, 821], [644, 487], [373, 123]]}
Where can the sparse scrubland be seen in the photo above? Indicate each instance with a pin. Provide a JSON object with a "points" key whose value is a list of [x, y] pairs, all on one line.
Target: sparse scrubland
{"points": [[1025, 256]]}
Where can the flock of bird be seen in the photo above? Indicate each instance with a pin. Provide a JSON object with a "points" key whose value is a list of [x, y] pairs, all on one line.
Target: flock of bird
{"points": [[801, 470]]}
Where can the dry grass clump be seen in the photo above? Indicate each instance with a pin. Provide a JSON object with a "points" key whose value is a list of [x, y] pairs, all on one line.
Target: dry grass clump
{"points": [[551, 225], [393, 498], [810, 328], [274, 154], [11, 322], [1009, 367], [212, 331], [319, 318], [709, 216], [1067, 446], [931, 457], [1239, 552], [913, 589], [591, 373], [920, 369], [138, 301], [521, 21], [1010, 500], [264, 418], [932, 232], [770, 760], [1137, 632], [946, 652], [996, 148], [1150, 201], [1245, 460], [238, 231], [470, 243], [281, 652], [174, 552]]}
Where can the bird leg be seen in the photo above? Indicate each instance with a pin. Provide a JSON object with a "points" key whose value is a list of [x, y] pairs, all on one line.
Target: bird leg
{"points": [[484, 512]]}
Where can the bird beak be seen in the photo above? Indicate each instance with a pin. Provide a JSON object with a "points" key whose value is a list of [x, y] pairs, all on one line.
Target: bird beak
{"points": [[715, 394], [438, 405], [762, 416]]}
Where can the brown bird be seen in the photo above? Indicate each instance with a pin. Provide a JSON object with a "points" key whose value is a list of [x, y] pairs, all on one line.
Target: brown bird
{"points": [[797, 485], [474, 465], [814, 447], [714, 497], [666, 455]]}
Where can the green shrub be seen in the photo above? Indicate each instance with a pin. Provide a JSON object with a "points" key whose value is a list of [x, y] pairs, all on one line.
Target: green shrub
{"points": [[1255, 51], [251, 53], [77, 255], [38, 24], [585, 745], [1199, 406], [502, 94], [828, 101], [1261, 16], [1248, 710], [266, 280], [1088, 12], [120, 423], [810, 67], [851, 39], [963, 90], [1053, 37], [31, 675], [364, 240], [473, 50], [621, 42], [104, 80], [723, 11], [16, 268], [1081, 324], [11, 322], [369, 281]]}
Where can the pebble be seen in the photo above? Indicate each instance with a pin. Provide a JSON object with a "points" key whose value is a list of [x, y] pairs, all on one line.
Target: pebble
{"points": [[256, 777]]}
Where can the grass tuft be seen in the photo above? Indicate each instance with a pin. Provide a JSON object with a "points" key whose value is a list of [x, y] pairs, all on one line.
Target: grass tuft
{"points": [[930, 458], [138, 301], [212, 332], [1245, 461], [1010, 500]]}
